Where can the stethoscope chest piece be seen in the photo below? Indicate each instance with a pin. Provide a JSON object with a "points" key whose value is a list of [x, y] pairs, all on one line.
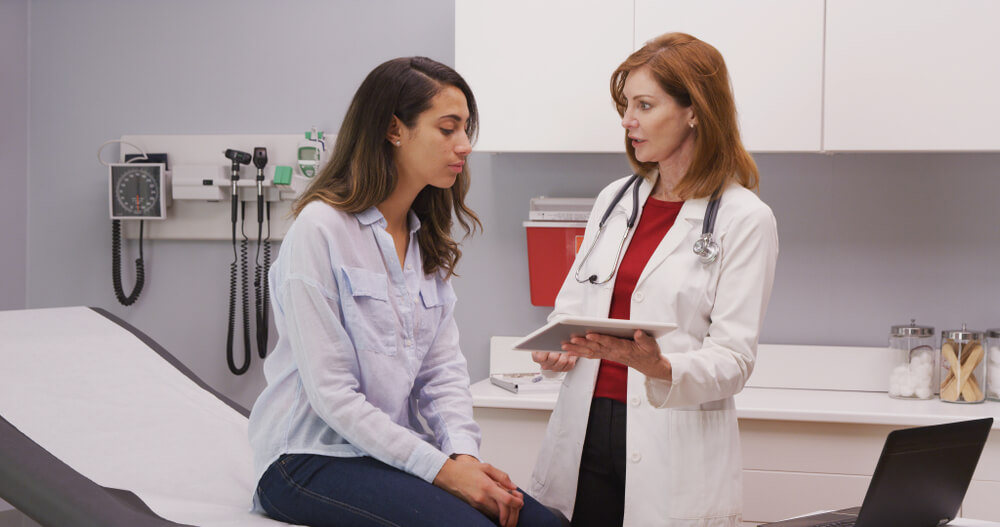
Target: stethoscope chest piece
{"points": [[706, 248]]}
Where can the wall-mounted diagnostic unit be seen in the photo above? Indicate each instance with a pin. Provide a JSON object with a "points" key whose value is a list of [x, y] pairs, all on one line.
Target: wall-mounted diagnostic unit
{"points": [[201, 195], [138, 191]]}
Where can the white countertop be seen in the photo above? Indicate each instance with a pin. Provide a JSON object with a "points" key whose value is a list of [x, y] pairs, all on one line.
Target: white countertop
{"points": [[487, 395], [786, 404]]}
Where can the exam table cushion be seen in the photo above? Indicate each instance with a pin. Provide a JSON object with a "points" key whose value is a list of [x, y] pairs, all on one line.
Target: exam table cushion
{"points": [[115, 411], [52, 493]]}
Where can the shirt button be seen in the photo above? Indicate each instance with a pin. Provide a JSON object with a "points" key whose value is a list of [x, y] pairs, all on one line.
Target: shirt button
{"points": [[638, 296], [636, 457], [409, 267], [409, 342], [635, 401]]}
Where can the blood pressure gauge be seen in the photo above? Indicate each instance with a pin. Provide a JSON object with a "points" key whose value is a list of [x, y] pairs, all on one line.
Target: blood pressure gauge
{"points": [[137, 191]]}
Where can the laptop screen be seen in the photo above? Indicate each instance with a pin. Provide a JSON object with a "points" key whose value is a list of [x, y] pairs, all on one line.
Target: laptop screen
{"points": [[923, 473], [920, 479]]}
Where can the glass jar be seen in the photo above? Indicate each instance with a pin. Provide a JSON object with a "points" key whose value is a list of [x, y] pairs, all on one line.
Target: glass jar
{"points": [[993, 364], [963, 366], [914, 373]]}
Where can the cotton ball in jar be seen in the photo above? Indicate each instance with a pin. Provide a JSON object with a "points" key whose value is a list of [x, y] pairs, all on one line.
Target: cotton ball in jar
{"points": [[901, 382], [922, 356], [900, 376], [993, 380], [922, 373]]}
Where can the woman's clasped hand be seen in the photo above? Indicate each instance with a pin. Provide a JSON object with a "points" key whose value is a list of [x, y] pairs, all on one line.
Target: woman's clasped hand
{"points": [[483, 486]]}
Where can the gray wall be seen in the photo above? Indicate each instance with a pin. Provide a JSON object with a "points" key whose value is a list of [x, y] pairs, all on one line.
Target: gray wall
{"points": [[866, 240], [104, 68], [13, 152]]}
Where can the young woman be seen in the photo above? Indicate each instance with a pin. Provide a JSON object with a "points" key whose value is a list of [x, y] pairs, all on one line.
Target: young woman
{"points": [[368, 346], [645, 431]]}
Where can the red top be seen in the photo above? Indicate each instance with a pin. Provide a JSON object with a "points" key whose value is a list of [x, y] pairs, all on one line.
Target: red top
{"points": [[657, 218]]}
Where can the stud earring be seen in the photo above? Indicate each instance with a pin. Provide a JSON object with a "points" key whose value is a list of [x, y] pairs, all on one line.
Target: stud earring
{"points": [[691, 124], [398, 142]]}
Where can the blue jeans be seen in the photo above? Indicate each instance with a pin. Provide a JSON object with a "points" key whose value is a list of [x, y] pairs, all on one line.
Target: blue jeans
{"points": [[322, 491]]}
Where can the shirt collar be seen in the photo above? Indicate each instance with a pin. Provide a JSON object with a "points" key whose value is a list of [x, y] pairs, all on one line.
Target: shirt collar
{"points": [[373, 215]]}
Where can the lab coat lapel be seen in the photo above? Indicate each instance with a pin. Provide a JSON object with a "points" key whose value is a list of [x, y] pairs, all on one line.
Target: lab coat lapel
{"points": [[691, 215]]}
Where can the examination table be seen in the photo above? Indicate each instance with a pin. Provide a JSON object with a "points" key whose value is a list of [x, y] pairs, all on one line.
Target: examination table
{"points": [[102, 427]]}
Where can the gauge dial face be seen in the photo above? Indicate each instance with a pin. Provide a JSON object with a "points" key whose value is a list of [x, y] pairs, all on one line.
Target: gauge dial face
{"points": [[136, 191]]}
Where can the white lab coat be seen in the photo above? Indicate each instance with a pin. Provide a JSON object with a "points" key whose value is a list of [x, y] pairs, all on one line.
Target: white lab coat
{"points": [[683, 464]]}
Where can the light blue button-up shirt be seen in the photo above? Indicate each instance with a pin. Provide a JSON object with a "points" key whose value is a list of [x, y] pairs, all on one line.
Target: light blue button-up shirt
{"points": [[364, 345]]}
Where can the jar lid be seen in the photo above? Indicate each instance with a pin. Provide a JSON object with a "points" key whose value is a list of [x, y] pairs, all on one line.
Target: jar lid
{"points": [[912, 330], [962, 334]]}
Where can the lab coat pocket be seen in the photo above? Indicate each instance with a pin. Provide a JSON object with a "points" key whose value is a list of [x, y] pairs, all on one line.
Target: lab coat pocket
{"points": [[705, 466], [368, 315]]}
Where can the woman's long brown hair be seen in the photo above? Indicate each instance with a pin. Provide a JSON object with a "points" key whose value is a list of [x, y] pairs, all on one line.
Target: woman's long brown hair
{"points": [[361, 172], [694, 74]]}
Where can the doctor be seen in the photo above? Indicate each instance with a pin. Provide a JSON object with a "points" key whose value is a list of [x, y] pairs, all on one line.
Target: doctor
{"points": [[645, 431]]}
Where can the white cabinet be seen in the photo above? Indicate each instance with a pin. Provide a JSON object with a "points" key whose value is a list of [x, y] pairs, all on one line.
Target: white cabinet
{"points": [[981, 499], [808, 75], [774, 52], [541, 72], [912, 75], [792, 468]]}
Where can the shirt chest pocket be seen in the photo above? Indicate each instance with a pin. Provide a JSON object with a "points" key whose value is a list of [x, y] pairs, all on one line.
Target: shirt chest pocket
{"points": [[369, 317], [428, 314], [430, 298]]}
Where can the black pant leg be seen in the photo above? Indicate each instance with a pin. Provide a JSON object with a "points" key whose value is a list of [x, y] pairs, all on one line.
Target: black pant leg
{"points": [[600, 494]]}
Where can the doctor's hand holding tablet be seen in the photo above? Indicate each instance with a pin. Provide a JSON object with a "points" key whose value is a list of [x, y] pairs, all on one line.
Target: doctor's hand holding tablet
{"points": [[556, 345]]}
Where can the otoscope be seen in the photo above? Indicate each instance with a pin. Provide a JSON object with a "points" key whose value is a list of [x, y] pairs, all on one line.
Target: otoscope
{"points": [[260, 161], [260, 283], [238, 158]]}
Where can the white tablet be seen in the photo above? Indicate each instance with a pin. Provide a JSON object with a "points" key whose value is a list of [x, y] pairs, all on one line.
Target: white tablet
{"points": [[551, 336]]}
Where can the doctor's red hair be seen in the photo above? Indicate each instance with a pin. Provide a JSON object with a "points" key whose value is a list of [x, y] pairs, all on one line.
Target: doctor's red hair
{"points": [[695, 75]]}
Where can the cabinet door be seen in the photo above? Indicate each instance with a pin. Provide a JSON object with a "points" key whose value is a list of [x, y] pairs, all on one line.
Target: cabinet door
{"points": [[774, 52], [541, 72], [912, 75]]}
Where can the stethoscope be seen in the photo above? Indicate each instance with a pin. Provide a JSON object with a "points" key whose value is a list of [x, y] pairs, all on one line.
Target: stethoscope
{"points": [[705, 247]]}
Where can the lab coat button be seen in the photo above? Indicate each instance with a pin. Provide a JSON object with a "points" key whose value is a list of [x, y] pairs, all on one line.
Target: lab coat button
{"points": [[636, 457], [634, 401], [409, 342], [638, 296]]}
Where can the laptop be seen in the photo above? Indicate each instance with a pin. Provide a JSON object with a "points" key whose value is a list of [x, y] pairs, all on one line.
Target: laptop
{"points": [[920, 479]]}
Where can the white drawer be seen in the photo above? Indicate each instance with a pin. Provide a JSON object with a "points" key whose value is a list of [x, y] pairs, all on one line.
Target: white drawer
{"points": [[800, 446], [981, 502], [772, 496]]}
